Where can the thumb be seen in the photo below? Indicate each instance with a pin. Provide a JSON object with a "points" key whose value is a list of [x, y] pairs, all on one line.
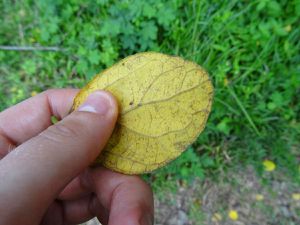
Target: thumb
{"points": [[35, 172]]}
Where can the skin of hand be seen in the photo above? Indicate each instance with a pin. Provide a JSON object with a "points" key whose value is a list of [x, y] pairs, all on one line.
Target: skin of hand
{"points": [[45, 176]]}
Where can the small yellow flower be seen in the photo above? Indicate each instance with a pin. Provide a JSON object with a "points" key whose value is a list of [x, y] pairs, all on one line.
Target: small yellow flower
{"points": [[259, 197], [269, 165], [233, 215], [216, 217], [288, 28], [296, 196], [226, 82], [33, 93]]}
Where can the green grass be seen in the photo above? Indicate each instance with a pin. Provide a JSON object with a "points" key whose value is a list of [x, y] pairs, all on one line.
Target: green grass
{"points": [[250, 49]]}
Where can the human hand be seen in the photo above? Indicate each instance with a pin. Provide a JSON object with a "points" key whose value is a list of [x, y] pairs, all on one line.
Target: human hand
{"points": [[44, 173]]}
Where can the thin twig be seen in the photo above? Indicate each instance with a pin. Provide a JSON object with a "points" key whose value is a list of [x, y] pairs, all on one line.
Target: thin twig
{"points": [[30, 48]]}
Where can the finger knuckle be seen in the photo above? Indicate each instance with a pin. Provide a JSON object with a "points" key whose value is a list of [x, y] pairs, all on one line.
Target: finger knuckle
{"points": [[61, 131]]}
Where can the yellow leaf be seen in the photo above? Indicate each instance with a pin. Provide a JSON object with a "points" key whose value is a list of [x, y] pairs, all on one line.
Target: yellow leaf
{"points": [[269, 165], [233, 215], [217, 217], [164, 104], [259, 197], [296, 196]]}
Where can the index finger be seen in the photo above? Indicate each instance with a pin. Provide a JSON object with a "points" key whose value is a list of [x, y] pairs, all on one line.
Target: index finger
{"points": [[127, 198], [117, 199], [28, 118]]}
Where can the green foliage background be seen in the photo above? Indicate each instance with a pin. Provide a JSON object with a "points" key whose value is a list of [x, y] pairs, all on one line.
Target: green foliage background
{"points": [[250, 48]]}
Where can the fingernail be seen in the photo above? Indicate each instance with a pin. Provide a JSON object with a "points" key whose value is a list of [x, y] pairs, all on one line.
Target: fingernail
{"points": [[97, 102]]}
